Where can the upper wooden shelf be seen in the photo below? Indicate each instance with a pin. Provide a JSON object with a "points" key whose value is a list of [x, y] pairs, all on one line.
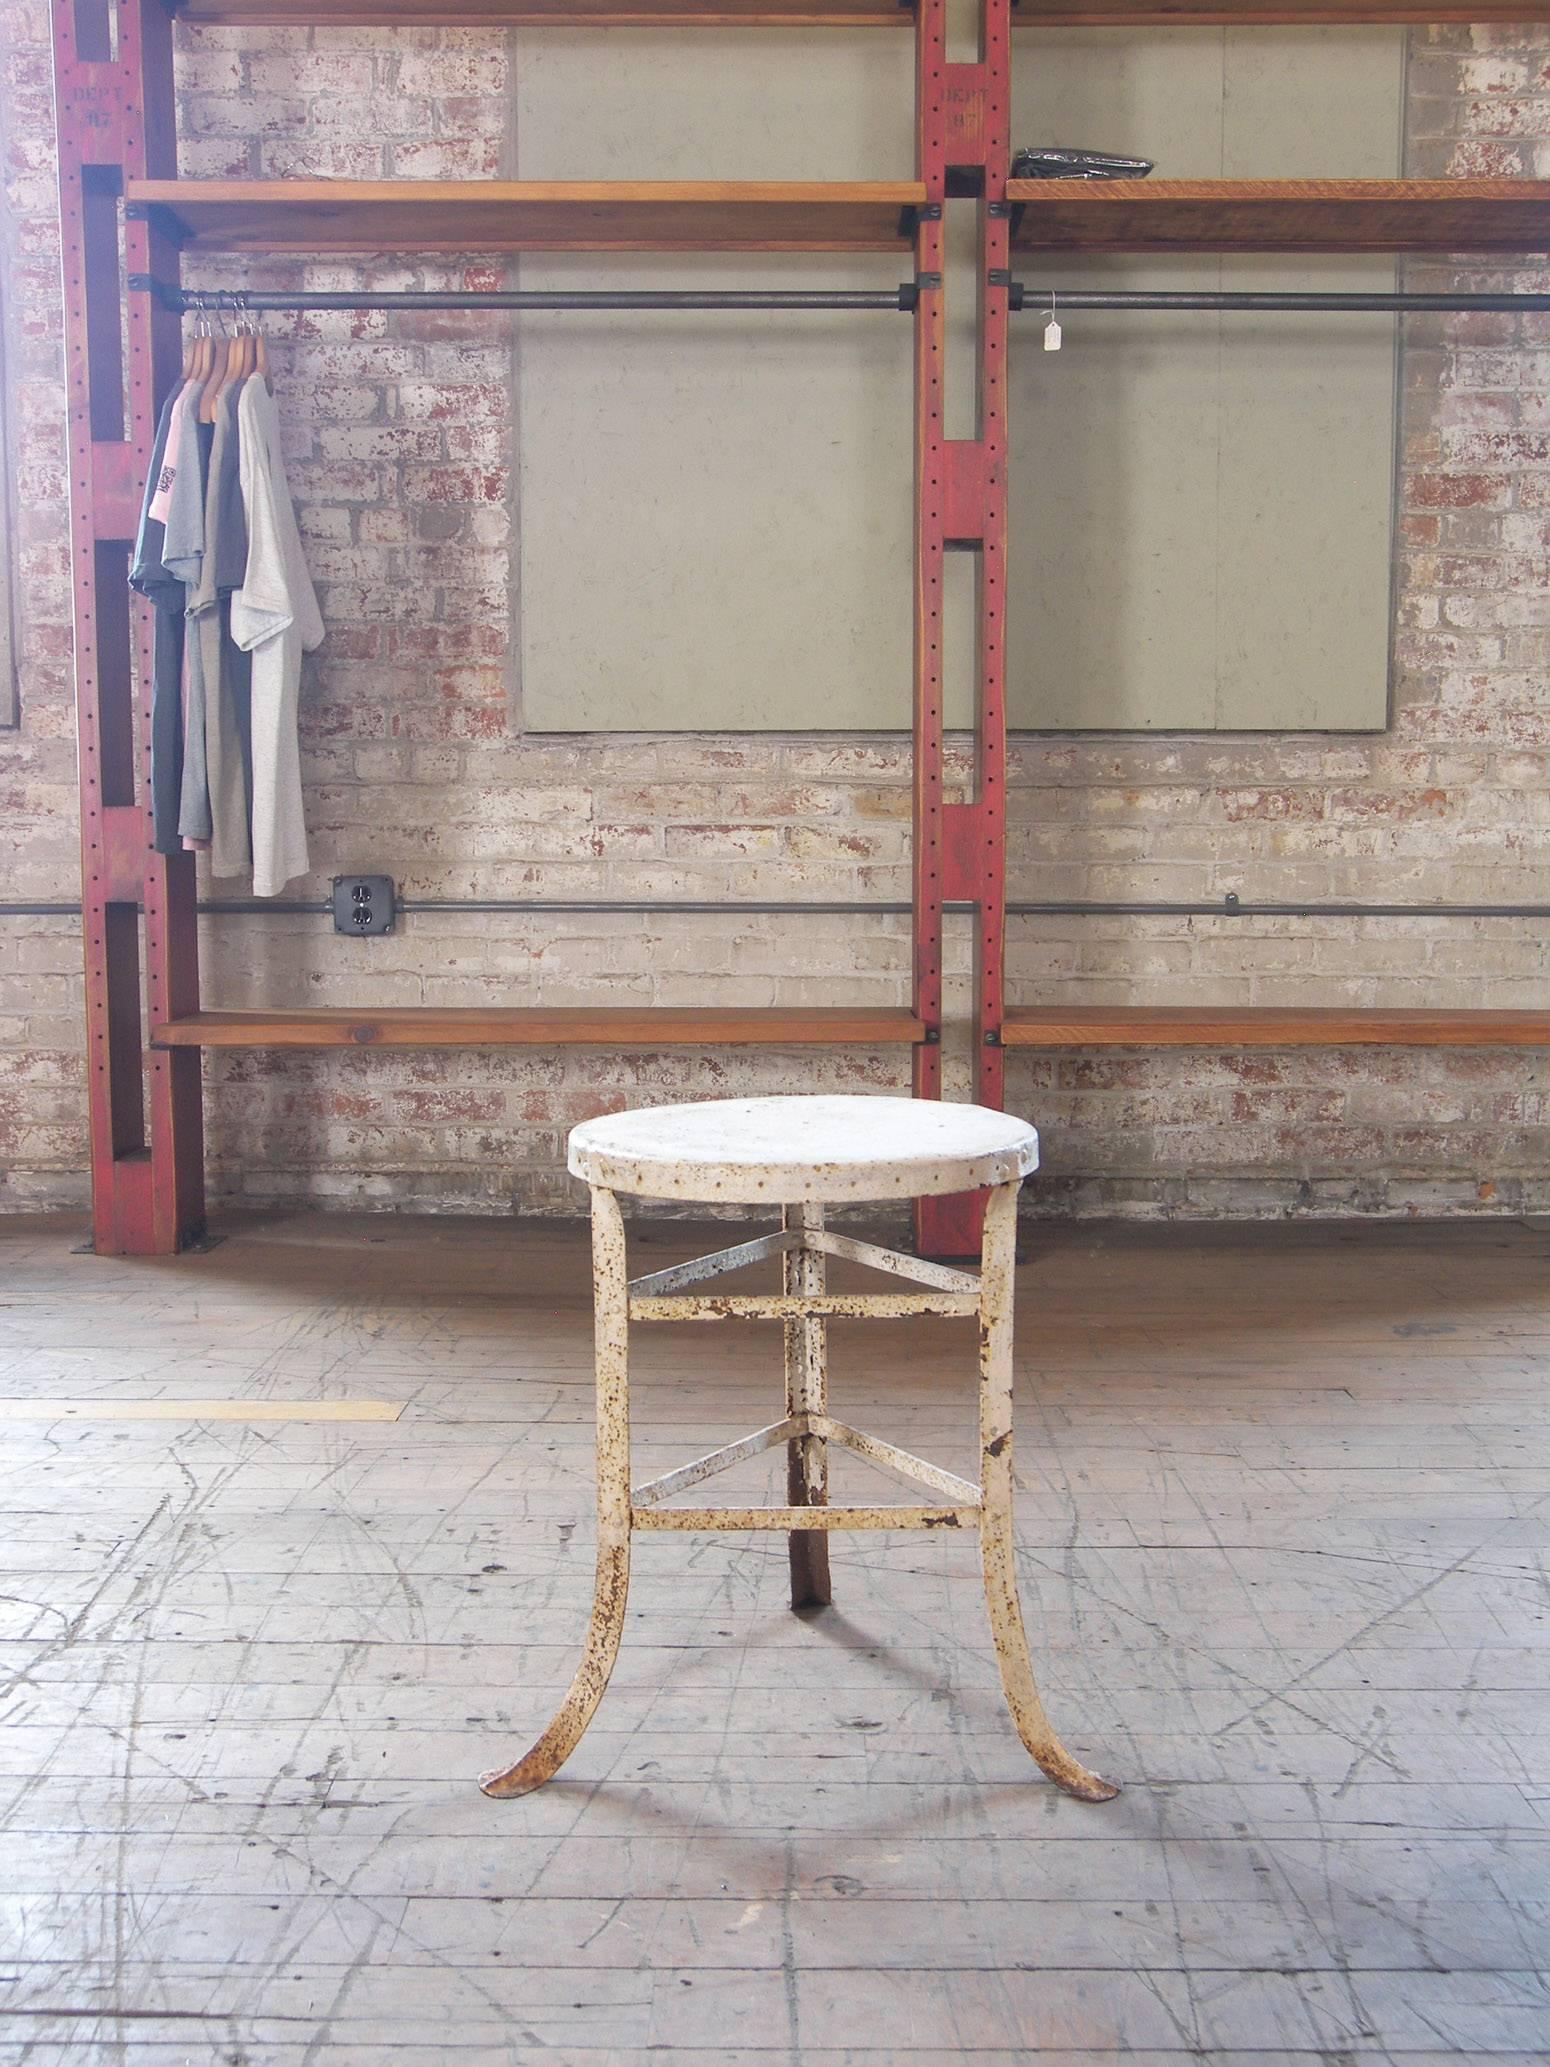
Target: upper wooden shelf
{"points": [[1282, 215], [1269, 1026], [840, 14], [1331, 215], [540, 1026], [319, 215]]}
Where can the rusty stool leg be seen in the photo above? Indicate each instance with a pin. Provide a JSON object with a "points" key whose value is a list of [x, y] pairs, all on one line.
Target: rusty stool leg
{"points": [[807, 1392], [997, 1546], [612, 1323]]}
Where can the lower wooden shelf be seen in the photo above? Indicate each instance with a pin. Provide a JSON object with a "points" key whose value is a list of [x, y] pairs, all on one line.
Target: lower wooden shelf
{"points": [[1139, 14], [1027, 14], [564, 14], [539, 1026], [1269, 1026]]}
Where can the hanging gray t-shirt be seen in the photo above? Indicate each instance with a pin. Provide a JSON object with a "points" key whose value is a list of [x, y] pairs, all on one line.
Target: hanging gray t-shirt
{"points": [[183, 556], [274, 616], [225, 672]]}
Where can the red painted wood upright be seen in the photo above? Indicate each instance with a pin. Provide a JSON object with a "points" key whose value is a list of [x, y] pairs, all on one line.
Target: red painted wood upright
{"points": [[113, 97], [964, 149]]}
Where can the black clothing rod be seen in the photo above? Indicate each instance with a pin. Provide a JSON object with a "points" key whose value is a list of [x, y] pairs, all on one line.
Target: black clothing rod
{"points": [[1036, 301], [1229, 907], [190, 301], [1025, 297]]}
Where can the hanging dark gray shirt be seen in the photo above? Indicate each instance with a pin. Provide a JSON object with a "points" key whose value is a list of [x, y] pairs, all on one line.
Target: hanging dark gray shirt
{"points": [[183, 550], [150, 576], [225, 672]]}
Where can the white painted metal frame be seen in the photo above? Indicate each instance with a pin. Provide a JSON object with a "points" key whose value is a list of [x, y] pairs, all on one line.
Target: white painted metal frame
{"points": [[804, 1307]]}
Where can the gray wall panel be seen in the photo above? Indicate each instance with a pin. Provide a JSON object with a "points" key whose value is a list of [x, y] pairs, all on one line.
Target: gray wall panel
{"points": [[715, 516]]}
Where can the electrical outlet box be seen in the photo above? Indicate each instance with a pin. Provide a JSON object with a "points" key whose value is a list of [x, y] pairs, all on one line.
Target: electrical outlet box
{"points": [[364, 904]]}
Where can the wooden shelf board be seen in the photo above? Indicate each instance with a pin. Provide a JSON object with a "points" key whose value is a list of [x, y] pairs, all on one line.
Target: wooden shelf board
{"points": [[846, 14], [1468, 215], [1465, 215], [1270, 1026], [1182, 14], [539, 1026], [317, 215], [603, 14]]}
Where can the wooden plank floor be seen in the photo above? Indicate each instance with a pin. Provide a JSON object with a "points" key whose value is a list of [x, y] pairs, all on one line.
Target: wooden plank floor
{"points": [[1284, 1508]]}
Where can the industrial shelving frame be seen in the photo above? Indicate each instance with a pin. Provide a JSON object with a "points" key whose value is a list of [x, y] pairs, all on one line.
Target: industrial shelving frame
{"points": [[124, 210]]}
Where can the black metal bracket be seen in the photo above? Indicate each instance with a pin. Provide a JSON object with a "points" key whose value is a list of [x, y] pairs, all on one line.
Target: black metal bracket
{"points": [[932, 1037], [911, 218], [164, 219], [992, 1037], [1010, 211]]}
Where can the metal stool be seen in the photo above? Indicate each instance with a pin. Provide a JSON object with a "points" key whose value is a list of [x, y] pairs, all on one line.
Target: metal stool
{"points": [[803, 1154]]}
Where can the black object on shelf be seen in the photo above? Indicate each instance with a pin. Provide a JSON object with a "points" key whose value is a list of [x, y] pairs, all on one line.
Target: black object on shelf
{"points": [[1055, 163]]}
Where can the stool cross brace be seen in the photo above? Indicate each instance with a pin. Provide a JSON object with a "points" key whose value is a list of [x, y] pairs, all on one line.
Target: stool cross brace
{"points": [[803, 1306]]}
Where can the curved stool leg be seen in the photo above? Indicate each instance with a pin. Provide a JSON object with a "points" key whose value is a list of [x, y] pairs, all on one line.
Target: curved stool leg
{"points": [[807, 1392], [997, 1546], [612, 1308]]}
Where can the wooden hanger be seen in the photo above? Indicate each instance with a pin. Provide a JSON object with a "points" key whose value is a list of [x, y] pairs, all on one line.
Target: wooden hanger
{"points": [[237, 368], [220, 360], [204, 349]]}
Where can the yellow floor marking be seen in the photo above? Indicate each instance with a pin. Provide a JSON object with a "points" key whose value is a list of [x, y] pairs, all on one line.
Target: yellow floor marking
{"points": [[200, 1410]]}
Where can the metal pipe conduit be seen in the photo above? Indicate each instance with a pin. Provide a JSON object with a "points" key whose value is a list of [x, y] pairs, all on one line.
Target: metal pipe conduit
{"points": [[1229, 907]]}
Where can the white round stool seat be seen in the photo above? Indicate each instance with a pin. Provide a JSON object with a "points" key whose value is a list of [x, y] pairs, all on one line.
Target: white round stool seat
{"points": [[803, 1149]]}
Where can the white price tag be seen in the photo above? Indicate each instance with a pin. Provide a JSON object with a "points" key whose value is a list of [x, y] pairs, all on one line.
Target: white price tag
{"points": [[1052, 336]]}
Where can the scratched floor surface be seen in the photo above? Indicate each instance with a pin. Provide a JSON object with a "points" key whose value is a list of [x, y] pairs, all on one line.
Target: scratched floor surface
{"points": [[1284, 1507]]}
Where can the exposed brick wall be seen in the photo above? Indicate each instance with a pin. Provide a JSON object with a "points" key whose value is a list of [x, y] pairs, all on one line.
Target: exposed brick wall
{"points": [[42, 1128], [401, 434]]}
